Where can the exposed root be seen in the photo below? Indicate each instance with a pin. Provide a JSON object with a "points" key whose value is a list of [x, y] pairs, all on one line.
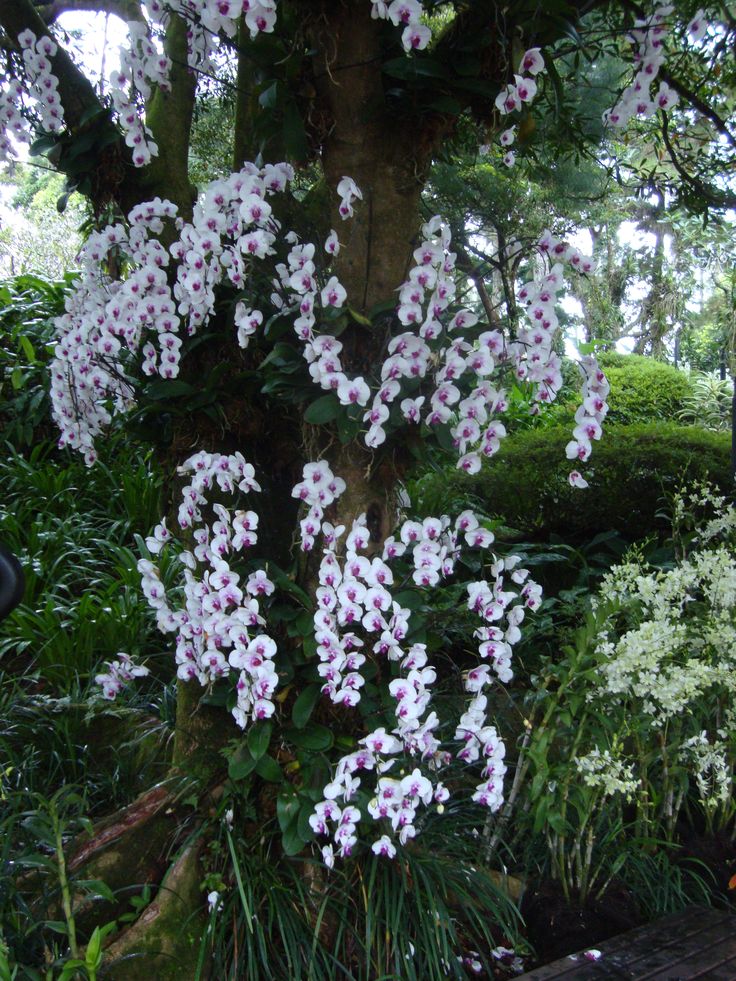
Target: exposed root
{"points": [[127, 850], [164, 942]]}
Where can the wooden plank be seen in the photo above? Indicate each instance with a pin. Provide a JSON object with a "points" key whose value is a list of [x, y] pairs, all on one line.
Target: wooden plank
{"points": [[710, 962], [640, 939], [694, 950], [635, 954], [724, 972]]}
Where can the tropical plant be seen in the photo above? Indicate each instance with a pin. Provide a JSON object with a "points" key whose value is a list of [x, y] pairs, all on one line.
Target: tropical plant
{"points": [[333, 391], [709, 404]]}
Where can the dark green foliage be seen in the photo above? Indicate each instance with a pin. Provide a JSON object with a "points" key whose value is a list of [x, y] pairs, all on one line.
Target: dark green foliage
{"points": [[368, 918], [27, 306], [72, 529], [643, 389], [631, 472]]}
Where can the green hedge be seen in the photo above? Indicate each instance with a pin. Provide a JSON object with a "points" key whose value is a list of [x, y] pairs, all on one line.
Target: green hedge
{"points": [[631, 471], [643, 389]]}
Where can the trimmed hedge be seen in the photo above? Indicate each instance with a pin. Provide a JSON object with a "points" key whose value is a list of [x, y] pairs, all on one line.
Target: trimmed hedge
{"points": [[631, 472], [643, 389]]}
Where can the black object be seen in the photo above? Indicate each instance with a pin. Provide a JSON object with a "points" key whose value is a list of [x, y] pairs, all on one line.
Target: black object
{"points": [[12, 582]]}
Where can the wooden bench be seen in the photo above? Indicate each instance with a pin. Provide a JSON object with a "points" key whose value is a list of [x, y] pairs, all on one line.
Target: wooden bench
{"points": [[699, 942]]}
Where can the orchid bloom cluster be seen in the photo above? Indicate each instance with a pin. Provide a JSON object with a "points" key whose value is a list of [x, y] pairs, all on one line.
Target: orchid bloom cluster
{"points": [[355, 608], [42, 88], [142, 65], [120, 672], [518, 93], [232, 227], [219, 627], [530, 355], [407, 13], [220, 633], [104, 316], [648, 38], [206, 19], [42, 83]]}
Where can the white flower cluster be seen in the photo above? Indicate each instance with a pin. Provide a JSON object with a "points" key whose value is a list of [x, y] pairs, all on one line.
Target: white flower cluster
{"points": [[219, 628], [648, 38], [119, 673], [355, 607], [142, 65], [41, 85], [521, 91], [106, 318], [536, 360], [415, 36], [318, 489], [683, 646], [713, 772], [232, 226], [531, 356], [348, 191], [11, 120], [206, 19], [611, 775]]}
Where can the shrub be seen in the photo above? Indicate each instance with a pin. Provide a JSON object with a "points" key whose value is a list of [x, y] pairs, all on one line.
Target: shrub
{"points": [[631, 472], [643, 389]]}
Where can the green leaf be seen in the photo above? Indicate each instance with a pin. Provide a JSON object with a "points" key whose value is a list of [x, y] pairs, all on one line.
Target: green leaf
{"points": [[408, 68], [409, 598], [285, 584], [291, 840], [28, 348], [359, 318], [58, 926], [71, 969], [295, 137], [241, 765], [303, 826], [282, 354], [303, 707], [168, 389], [287, 808], [268, 769], [323, 410], [313, 737], [381, 309], [96, 887], [270, 97], [446, 104], [259, 738], [93, 954], [42, 145], [92, 112]]}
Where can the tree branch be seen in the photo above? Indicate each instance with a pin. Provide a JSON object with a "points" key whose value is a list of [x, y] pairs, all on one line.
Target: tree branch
{"points": [[714, 196], [468, 266], [126, 10]]}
